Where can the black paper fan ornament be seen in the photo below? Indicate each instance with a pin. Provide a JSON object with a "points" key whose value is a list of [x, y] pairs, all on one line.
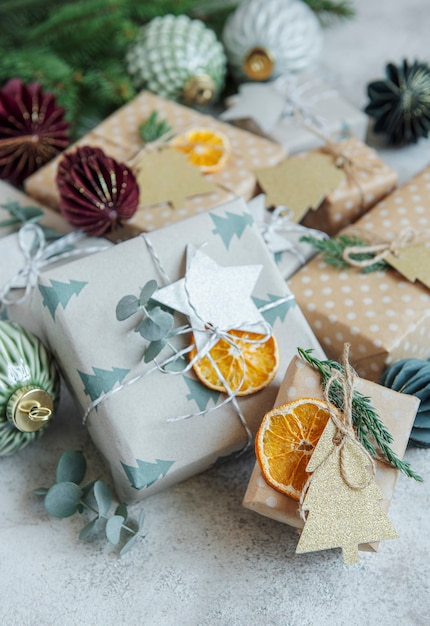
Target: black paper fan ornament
{"points": [[400, 104]]}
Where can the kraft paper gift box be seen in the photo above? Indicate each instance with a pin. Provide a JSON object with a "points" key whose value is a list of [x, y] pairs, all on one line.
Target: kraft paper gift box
{"points": [[396, 410], [384, 316], [119, 137], [10, 195], [285, 109], [368, 180], [132, 427]]}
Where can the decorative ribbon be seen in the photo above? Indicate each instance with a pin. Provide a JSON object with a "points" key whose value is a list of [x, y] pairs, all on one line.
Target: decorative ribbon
{"points": [[406, 237], [37, 255], [279, 222], [215, 334], [345, 432]]}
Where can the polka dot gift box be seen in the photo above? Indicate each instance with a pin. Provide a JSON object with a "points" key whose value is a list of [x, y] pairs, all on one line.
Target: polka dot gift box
{"points": [[118, 136], [381, 314], [396, 410], [368, 180]]}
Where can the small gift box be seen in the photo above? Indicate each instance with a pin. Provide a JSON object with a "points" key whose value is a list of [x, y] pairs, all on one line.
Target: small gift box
{"points": [[297, 111], [148, 412], [16, 208], [384, 315], [163, 197], [395, 410]]}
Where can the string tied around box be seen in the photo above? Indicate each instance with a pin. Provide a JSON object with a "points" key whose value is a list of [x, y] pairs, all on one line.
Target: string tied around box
{"points": [[345, 433], [379, 251], [211, 334], [279, 224], [38, 253]]}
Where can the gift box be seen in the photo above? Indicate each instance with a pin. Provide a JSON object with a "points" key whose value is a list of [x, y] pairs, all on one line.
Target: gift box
{"points": [[367, 181], [14, 202], [297, 111], [396, 410], [118, 136], [384, 316], [156, 427]]}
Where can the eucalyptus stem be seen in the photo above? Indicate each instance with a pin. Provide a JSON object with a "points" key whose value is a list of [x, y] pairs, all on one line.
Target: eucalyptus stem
{"points": [[369, 427]]}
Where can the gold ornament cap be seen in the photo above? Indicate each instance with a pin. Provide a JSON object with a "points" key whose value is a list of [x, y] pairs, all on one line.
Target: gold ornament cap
{"points": [[29, 409], [199, 90], [258, 63]]}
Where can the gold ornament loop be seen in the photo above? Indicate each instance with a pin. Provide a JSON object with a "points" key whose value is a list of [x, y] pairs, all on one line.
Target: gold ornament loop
{"points": [[258, 63]]}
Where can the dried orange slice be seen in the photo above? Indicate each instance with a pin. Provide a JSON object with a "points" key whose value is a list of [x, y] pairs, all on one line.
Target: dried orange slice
{"points": [[285, 441], [247, 366], [206, 148]]}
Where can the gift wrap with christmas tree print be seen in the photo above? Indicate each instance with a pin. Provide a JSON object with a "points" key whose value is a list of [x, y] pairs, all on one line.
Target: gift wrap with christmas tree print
{"points": [[16, 208], [119, 137], [384, 316], [132, 427], [396, 410], [367, 181], [287, 109]]}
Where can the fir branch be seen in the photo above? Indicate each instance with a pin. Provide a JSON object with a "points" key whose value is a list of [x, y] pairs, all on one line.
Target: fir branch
{"points": [[332, 251], [369, 427], [153, 128], [327, 10]]}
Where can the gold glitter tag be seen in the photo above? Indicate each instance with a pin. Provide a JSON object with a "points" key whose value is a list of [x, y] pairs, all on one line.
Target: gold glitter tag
{"points": [[340, 516]]}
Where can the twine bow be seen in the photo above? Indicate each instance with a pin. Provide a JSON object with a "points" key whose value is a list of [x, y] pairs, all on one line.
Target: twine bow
{"points": [[406, 237], [345, 433], [38, 254]]}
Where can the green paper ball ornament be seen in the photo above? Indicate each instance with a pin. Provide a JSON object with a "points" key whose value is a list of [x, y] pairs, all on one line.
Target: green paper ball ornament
{"points": [[400, 104], [179, 59], [264, 40], [412, 376], [29, 387]]}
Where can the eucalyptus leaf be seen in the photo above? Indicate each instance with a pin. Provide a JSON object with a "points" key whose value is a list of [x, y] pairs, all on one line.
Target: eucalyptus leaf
{"points": [[88, 529], [62, 499], [147, 291], [86, 489], [155, 327], [128, 546], [71, 467], [41, 491], [177, 365], [153, 350], [103, 496], [122, 510], [113, 529], [141, 520], [126, 307]]}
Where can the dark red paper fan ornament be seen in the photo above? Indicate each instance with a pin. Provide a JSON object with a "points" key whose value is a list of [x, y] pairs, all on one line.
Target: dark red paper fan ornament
{"points": [[97, 193], [33, 129]]}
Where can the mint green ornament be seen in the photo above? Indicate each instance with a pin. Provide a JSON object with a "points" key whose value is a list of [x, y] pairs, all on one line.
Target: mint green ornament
{"points": [[29, 388], [179, 59]]}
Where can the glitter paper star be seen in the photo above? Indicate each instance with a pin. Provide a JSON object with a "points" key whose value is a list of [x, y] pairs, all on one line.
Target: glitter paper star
{"points": [[258, 102], [214, 294]]}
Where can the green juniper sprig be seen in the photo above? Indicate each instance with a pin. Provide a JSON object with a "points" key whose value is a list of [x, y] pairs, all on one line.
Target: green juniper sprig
{"points": [[332, 251], [369, 427], [153, 128], [67, 497]]}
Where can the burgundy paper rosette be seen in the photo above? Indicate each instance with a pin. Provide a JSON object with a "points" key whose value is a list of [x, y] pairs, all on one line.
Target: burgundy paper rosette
{"points": [[97, 193], [33, 129]]}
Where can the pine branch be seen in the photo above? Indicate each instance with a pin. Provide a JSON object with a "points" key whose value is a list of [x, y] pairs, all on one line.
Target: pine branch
{"points": [[328, 10], [333, 249], [369, 427]]}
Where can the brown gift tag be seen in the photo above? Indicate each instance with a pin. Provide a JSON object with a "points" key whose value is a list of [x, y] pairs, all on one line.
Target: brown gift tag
{"points": [[396, 410]]}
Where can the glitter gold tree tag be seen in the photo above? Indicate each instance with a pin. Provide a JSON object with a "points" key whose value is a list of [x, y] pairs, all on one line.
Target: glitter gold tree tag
{"points": [[338, 515], [300, 183], [166, 176]]}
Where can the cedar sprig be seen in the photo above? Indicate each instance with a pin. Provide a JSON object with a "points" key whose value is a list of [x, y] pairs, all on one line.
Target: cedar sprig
{"points": [[370, 430], [332, 251]]}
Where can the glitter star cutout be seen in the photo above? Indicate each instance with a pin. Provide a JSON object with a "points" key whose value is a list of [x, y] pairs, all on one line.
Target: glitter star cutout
{"points": [[213, 294]]}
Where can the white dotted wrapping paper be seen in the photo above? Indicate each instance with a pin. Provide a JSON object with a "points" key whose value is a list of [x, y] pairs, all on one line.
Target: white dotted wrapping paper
{"points": [[384, 317], [370, 181], [396, 410], [118, 136]]}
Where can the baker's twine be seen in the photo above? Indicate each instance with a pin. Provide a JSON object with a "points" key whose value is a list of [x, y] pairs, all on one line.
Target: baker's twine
{"points": [[407, 237]]}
